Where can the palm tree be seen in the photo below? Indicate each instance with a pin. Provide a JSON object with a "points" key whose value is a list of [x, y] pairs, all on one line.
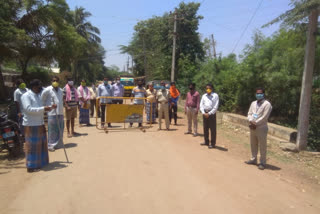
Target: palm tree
{"points": [[85, 29]]}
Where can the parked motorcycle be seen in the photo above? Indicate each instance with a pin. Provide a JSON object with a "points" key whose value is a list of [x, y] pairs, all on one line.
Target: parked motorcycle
{"points": [[10, 136]]}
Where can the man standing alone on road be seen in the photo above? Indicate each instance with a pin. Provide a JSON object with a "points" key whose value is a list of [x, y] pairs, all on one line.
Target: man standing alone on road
{"points": [[104, 90], [163, 98], [70, 97], [191, 109], [208, 106], [118, 91], [36, 145], [258, 115], [84, 96], [54, 95]]}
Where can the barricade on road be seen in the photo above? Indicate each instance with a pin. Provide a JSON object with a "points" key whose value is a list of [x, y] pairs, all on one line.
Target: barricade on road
{"points": [[122, 113]]}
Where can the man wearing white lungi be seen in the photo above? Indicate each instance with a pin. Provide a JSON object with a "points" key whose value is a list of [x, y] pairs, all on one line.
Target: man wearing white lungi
{"points": [[54, 95]]}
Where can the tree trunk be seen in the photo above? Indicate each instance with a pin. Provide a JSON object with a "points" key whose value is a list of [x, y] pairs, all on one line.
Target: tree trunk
{"points": [[3, 89], [306, 89]]}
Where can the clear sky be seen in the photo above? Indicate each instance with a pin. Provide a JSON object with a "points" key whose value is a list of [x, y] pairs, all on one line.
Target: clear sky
{"points": [[225, 19]]}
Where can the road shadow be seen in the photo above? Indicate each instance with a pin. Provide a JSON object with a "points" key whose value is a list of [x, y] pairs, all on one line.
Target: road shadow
{"points": [[178, 125], [76, 134], [272, 167], [221, 148], [1, 173], [70, 145], [170, 130], [54, 166]]}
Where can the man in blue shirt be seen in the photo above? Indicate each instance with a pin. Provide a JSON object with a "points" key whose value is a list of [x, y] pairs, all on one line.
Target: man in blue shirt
{"points": [[138, 92], [104, 90]]}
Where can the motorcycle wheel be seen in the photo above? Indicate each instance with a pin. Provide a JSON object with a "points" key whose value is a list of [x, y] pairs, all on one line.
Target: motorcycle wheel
{"points": [[18, 149]]}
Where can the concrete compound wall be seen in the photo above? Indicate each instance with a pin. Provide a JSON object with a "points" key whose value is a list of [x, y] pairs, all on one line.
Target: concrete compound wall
{"points": [[276, 132], [279, 134]]}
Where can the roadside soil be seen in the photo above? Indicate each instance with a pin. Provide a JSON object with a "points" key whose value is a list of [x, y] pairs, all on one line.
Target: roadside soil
{"points": [[130, 171]]}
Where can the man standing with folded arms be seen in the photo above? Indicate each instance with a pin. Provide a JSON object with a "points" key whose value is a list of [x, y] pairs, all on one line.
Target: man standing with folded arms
{"points": [[163, 98], [104, 90], [191, 109], [258, 115], [208, 106]]}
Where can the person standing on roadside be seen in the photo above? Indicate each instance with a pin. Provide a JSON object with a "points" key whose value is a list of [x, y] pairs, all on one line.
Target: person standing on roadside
{"points": [[70, 98], [54, 95], [208, 106], [151, 100], [138, 92], [175, 94], [104, 90], [163, 99], [21, 89], [118, 91], [258, 115], [93, 96], [84, 97], [191, 109], [36, 145]]}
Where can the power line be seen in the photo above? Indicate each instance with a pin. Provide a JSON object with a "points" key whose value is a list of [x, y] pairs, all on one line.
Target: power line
{"points": [[245, 29]]}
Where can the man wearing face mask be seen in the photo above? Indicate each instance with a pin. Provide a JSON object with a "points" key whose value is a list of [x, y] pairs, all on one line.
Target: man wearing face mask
{"points": [[191, 109], [21, 89], [118, 91], [258, 115], [208, 106], [70, 98], [104, 90], [84, 97], [138, 92], [163, 98], [54, 95], [173, 108], [36, 147]]}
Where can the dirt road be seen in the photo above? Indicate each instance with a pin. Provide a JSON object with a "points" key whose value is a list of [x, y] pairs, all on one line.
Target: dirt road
{"points": [[153, 172]]}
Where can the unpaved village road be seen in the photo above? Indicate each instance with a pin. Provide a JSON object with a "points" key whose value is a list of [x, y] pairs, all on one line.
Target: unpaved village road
{"points": [[148, 173]]}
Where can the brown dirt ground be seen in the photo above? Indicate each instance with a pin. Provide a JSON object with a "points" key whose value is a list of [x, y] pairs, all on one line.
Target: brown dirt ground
{"points": [[161, 172]]}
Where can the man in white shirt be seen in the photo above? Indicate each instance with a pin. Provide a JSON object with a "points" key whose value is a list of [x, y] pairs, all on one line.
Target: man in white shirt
{"points": [[104, 90], [208, 106], [21, 89], [36, 146], [54, 95], [258, 115]]}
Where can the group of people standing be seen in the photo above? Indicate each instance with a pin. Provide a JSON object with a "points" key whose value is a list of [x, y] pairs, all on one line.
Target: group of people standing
{"points": [[33, 103]]}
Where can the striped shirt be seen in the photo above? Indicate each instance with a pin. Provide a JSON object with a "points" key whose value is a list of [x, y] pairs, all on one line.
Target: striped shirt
{"points": [[73, 102]]}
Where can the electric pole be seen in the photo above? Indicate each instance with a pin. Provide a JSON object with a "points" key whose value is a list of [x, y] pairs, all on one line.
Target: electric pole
{"points": [[213, 47], [306, 89], [144, 57], [132, 64], [128, 65], [174, 46]]}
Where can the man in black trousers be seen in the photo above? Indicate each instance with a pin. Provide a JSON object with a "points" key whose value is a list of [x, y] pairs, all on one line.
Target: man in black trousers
{"points": [[208, 106]]}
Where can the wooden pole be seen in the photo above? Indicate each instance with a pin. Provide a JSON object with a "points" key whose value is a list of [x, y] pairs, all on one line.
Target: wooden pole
{"points": [[306, 88]]}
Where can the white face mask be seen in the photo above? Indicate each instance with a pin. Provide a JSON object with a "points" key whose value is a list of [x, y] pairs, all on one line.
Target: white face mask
{"points": [[118, 81], [70, 83]]}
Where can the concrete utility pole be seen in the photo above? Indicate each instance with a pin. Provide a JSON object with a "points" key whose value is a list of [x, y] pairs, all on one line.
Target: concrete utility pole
{"points": [[174, 46], [128, 65], [213, 47], [132, 64], [144, 57], [306, 89]]}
